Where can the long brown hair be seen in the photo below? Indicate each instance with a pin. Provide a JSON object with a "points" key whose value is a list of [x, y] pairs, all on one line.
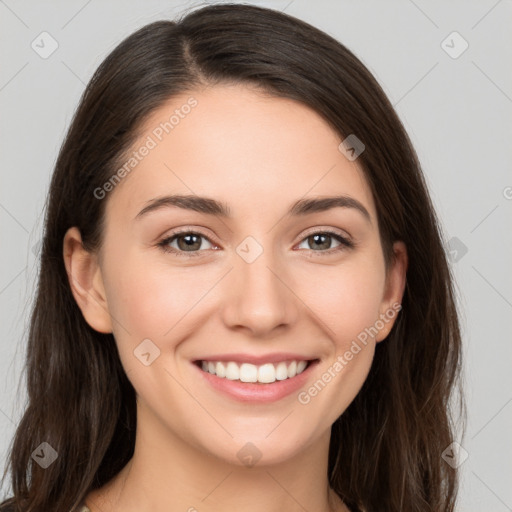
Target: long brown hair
{"points": [[385, 450]]}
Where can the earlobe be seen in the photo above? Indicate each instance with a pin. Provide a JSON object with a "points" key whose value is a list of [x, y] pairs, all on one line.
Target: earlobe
{"points": [[85, 280], [395, 287]]}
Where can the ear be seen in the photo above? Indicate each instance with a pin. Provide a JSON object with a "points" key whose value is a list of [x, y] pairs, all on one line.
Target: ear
{"points": [[394, 290], [84, 275]]}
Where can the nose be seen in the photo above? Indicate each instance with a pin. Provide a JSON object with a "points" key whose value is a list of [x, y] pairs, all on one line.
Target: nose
{"points": [[259, 298]]}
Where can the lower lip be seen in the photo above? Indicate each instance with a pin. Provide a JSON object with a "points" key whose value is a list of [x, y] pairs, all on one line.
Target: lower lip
{"points": [[257, 392]]}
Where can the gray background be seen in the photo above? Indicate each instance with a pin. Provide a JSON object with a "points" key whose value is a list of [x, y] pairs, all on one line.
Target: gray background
{"points": [[456, 110]]}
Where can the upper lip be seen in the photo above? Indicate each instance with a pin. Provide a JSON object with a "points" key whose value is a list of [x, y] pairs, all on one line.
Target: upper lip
{"points": [[257, 360]]}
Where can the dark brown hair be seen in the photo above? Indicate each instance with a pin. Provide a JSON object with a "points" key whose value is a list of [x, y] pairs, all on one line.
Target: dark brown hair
{"points": [[385, 450]]}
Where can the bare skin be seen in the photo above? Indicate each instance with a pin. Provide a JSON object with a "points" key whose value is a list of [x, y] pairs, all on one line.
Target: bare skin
{"points": [[258, 155]]}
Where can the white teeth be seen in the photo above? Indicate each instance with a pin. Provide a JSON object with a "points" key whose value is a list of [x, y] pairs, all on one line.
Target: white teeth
{"points": [[246, 372], [220, 369], [281, 371], [267, 373], [292, 369], [232, 371]]}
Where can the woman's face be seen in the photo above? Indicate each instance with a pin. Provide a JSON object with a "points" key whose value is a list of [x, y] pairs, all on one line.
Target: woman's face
{"points": [[253, 290]]}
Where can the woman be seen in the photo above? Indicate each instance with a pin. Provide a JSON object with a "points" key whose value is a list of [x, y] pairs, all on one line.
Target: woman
{"points": [[244, 301]]}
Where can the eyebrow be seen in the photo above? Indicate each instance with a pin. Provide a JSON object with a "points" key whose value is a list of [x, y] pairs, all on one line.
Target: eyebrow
{"points": [[220, 209]]}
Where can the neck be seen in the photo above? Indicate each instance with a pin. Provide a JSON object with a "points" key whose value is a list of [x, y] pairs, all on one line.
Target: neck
{"points": [[167, 473]]}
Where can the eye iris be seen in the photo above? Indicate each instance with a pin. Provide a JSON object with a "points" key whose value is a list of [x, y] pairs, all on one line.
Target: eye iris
{"points": [[189, 244], [316, 237]]}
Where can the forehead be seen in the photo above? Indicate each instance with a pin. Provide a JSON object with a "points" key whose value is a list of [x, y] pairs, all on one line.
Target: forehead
{"points": [[239, 145]]}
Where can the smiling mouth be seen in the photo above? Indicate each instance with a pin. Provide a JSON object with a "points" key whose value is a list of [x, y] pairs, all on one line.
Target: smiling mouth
{"points": [[261, 374]]}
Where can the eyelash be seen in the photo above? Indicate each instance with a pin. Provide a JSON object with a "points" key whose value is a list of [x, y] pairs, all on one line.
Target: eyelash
{"points": [[164, 244]]}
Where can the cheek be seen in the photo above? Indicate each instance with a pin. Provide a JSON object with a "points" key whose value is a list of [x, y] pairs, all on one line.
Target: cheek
{"points": [[155, 302], [345, 298], [152, 299]]}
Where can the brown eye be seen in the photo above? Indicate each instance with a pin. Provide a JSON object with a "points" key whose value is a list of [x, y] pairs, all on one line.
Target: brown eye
{"points": [[189, 242], [186, 242], [322, 242]]}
